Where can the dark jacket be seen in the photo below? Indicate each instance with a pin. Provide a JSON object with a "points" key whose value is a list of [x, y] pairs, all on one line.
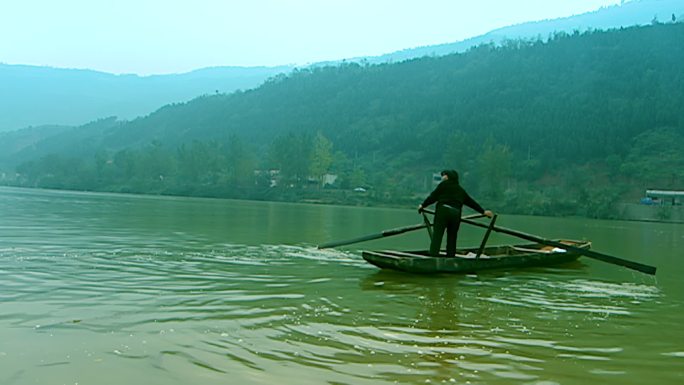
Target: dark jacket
{"points": [[449, 192]]}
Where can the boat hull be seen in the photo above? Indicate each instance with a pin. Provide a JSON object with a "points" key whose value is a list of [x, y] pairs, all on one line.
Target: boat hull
{"points": [[507, 257]]}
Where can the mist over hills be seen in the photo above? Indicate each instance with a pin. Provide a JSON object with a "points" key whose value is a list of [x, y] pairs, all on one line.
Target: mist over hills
{"points": [[34, 96]]}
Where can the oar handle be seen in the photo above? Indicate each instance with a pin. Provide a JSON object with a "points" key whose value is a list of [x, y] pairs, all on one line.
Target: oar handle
{"points": [[388, 233], [471, 216]]}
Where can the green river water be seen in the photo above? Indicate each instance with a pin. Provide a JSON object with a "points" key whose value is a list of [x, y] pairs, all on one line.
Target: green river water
{"points": [[120, 289]]}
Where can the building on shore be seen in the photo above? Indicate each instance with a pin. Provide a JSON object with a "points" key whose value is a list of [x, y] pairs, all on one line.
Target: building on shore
{"points": [[663, 197]]}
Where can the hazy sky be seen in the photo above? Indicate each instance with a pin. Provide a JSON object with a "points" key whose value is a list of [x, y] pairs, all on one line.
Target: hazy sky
{"points": [[165, 36]]}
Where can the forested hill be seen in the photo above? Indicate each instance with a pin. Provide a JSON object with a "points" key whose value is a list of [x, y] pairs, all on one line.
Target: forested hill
{"points": [[565, 126], [32, 96]]}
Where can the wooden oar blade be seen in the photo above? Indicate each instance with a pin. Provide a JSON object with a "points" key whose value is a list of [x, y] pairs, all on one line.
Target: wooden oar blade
{"points": [[619, 261], [589, 253]]}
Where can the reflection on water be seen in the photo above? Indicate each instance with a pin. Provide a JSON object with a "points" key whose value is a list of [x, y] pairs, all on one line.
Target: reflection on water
{"points": [[93, 291]]}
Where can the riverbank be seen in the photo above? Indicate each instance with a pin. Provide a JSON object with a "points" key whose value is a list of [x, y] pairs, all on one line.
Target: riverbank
{"points": [[651, 213], [623, 211]]}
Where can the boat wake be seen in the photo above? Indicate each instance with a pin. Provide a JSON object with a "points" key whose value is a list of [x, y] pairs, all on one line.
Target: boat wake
{"points": [[576, 295]]}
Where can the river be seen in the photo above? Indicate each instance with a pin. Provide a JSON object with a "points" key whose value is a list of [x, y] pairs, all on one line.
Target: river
{"points": [[124, 289]]}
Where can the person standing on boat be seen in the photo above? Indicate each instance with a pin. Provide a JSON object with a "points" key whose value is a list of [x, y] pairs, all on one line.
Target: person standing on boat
{"points": [[450, 198]]}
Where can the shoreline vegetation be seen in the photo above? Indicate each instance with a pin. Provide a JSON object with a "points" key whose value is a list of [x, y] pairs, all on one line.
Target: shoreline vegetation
{"points": [[573, 125], [625, 211]]}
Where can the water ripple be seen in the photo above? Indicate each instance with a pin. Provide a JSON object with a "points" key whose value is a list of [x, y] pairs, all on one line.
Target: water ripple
{"points": [[273, 312]]}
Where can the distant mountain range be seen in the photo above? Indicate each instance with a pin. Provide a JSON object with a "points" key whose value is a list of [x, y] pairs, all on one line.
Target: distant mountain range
{"points": [[34, 96], [638, 12]]}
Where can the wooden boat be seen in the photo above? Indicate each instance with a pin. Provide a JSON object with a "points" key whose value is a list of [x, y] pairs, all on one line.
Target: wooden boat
{"points": [[466, 261]]}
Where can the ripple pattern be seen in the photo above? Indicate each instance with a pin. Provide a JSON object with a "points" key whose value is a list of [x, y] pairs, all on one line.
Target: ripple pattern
{"points": [[261, 314], [111, 289]]}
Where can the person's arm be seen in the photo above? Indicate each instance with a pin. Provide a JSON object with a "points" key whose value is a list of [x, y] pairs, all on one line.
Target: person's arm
{"points": [[432, 198], [470, 202]]}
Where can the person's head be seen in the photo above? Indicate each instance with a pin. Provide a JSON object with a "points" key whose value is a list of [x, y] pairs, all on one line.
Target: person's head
{"points": [[444, 174], [451, 175]]}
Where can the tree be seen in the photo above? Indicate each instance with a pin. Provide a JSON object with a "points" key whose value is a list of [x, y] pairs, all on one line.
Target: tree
{"points": [[291, 154], [458, 153], [321, 156], [656, 158], [241, 163], [494, 170]]}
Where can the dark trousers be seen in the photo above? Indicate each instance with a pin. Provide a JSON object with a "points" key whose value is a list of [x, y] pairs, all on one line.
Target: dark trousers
{"points": [[449, 219]]}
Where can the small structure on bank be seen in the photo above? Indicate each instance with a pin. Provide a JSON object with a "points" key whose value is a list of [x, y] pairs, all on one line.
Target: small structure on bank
{"points": [[663, 197]]}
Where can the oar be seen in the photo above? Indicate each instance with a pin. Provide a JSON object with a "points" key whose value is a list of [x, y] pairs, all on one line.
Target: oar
{"points": [[586, 252], [428, 225], [589, 253], [386, 233]]}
